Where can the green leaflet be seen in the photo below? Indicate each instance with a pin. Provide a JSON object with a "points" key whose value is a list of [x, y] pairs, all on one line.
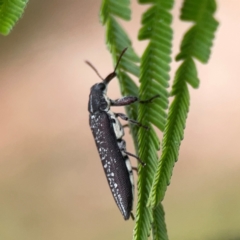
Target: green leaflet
{"points": [[10, 12], [173, 135], [154, 76], [159, 230], [197, 44]]}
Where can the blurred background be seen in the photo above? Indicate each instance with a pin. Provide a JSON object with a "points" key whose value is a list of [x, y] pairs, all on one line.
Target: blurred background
{"points": [[52, 185]]}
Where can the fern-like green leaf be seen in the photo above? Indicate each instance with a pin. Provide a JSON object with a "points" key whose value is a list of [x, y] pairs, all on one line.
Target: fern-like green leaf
{"points": [[187, 71], [159, 229], [196, 43], [173, 135], [10, 12], [197, 10], [154, 76], [117, 40], [198, 40]]}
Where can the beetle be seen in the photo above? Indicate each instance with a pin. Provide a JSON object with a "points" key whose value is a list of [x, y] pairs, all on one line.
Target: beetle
{"points": [[108, 133]]}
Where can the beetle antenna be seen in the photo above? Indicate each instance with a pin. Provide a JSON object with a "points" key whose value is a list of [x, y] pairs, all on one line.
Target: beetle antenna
{"points": [[94, 69], [113, 74], [123, 51]]}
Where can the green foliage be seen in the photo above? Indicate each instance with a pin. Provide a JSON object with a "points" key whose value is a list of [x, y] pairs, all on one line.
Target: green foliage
{"points": [[159, 229], [196, 43], [154, 76], [10, 12]]}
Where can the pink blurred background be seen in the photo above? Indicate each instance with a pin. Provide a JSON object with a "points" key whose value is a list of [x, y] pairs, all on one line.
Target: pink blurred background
{"points": [[52, 185]]}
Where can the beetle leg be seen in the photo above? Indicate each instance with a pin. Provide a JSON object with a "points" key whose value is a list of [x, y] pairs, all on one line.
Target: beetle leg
{"points": [[132, 216], [132, 155], [124, 117], [124, 101], [131, 99], [150, 99], [135, 169], [122, 147]]}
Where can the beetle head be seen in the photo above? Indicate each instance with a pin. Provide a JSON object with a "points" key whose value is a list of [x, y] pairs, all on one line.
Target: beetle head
{"points": [[98, 101]]}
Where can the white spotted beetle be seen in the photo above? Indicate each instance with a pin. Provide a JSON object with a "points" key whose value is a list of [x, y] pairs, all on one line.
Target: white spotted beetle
{"points": [[108, 132]]}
